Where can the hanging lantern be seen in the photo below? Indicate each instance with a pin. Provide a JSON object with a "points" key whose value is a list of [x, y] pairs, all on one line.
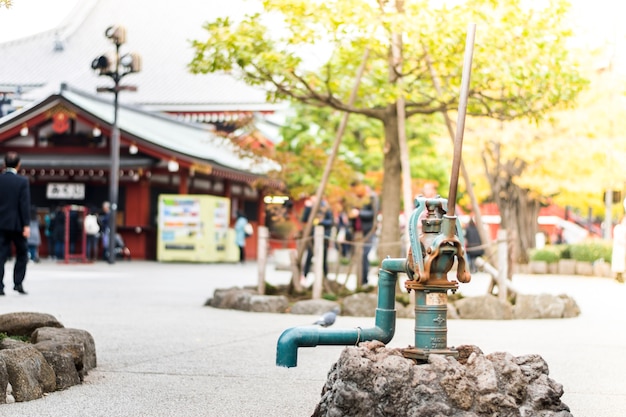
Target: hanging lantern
{"points": [[60, 122]]}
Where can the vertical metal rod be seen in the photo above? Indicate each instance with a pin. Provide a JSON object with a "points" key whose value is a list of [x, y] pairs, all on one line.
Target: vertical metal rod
{"points": [[114, 178], [460, 123]]}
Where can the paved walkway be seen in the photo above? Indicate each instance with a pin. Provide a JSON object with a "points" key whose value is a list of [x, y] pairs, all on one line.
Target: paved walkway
{"points": [[162, 353]]}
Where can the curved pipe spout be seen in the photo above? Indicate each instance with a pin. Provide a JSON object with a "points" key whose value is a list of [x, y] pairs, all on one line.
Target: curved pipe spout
{"points": [[308, 336]]}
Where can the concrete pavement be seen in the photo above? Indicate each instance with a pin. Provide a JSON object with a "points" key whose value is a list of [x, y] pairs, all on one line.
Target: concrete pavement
{"points": [[162, 353]]}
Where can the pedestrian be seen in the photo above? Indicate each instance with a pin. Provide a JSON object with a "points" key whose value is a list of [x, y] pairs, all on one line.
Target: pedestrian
{"points": [[58, 232], [364, 221], [14, 220], [34, 240], [618, 255], [47, 230], [344, 232], [75, 229], [324, 218], [105, 218], [242, 231], [473, 245], [92, 233]]}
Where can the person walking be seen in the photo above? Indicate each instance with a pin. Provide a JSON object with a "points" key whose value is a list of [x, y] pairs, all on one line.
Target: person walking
{"points": [[14, 220], [105, 218], [92, 233], [618, 255], [34, 240], [242, 227], [364, 220], [473, 243], [58, 232], [324, 218]]}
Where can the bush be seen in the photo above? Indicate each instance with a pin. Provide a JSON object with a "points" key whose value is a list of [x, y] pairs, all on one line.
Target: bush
{"points": [[549, 255], [591, 251]]}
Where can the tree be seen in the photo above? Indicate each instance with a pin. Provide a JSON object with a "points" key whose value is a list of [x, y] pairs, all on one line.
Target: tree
{"points": [[521, 65]]}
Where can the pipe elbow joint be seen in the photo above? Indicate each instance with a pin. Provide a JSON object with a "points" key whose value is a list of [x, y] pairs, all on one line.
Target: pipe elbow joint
{"points": [[289, 342]]}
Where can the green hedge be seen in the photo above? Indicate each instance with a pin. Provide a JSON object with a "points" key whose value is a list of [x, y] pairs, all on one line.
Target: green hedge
{"points": [[584, 252], [548, 254], [591, 251]]}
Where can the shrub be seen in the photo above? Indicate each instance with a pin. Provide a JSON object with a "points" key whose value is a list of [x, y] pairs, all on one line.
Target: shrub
{"points": [[549, 255], [591, 251]]}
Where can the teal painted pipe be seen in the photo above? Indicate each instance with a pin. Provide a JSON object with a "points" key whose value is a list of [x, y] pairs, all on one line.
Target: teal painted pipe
{"points": [[385, 322]]}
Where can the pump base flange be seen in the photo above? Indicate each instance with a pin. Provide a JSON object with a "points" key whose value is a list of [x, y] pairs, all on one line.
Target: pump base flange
{"points": [[422, 354]]}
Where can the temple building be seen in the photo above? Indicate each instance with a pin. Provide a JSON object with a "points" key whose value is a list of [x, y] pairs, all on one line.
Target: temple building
{"points": [[180, 133]]}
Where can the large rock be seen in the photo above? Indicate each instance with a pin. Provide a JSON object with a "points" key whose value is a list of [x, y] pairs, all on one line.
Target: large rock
{"points": [[371, 380], [29, 373], [65, 372], [57, 353], [247, 299], [544, 306], [70, 337], [486, 307], [313, 307], [4, 382], [23, 324], [360, 305], [234, 298], [268, 303]]}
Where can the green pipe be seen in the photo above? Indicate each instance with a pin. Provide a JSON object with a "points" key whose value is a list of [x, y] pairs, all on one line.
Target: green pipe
{"points": [[385, 323]]}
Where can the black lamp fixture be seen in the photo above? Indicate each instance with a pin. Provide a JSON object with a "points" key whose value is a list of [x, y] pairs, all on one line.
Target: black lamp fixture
{"points": [[115, 66]]}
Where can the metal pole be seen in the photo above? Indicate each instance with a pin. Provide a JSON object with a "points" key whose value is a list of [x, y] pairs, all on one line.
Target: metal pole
{"points": [[460, 123], [115, 163]]}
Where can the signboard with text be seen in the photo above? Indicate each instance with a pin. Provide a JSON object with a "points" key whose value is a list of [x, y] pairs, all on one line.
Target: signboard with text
{"points": [[65, 191]]}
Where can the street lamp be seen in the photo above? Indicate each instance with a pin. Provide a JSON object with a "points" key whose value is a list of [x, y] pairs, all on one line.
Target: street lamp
{"points": [[116, 67]]}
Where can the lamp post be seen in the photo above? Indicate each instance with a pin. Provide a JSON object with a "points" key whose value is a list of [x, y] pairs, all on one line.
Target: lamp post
{"points": [[116, 67]]}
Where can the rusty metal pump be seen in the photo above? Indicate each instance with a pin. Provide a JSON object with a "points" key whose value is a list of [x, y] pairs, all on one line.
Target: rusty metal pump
{"points": [[432, 255]]}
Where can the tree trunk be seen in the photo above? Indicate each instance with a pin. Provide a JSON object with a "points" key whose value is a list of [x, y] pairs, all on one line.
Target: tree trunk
{"points": [[390, 201], [518, 213]]}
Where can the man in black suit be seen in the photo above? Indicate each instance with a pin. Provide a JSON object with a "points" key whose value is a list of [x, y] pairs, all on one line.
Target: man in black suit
{"points": [[14, 220]]}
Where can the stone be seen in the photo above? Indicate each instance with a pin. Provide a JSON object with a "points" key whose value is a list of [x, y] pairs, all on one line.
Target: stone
{"points": [[4, 382], [65, 372], [360, 305], [372, 380], [538, 306], [538, 267], [567, 267], [29, 373], [571, 307], [76, 351], [584, 268], [234, 298], [247, 299], [485, 307], [313, 307], [268, 303], [70, 336], [24, 323]]}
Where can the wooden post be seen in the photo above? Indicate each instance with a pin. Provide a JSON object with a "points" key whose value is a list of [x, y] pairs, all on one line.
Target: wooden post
{"points": [[262, 244], [318, 261], [503, 264], [358, 257]]}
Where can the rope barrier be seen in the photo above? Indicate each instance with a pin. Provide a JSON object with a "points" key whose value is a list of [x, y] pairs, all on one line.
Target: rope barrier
{"points": [[394, 243]]}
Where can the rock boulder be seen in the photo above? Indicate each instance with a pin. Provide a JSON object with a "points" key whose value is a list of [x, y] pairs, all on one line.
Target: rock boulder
{"points": [[372, 380]]}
